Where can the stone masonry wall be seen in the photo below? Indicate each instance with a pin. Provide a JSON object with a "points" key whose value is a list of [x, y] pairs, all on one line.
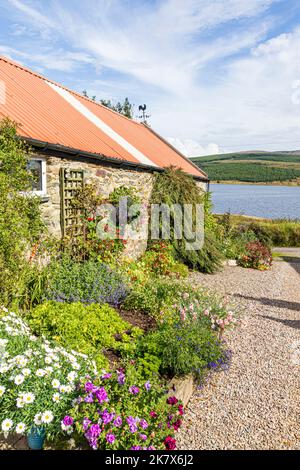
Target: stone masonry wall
{"points": [[106, 180]]}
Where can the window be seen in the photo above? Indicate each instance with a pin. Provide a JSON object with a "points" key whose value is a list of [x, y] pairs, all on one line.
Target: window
{"points": [[37, 167]]}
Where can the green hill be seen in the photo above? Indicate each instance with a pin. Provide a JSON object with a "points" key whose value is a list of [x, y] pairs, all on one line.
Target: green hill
{"points": [[252, 167]]}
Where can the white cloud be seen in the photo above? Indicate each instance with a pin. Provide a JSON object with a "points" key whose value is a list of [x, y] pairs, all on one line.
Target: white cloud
{"points": [[192, 148], [210, 77]]}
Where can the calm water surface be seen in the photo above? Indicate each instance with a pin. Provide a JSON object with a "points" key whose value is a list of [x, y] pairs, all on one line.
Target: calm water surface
{"points": [[260, 201]]}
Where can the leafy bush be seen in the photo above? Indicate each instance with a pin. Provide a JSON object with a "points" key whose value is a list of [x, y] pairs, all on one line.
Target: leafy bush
{"points": [[257, 256], [38, 379], [183, 346], [20, 218], [159, 260], [174, 187], [153, 297], [88, 329], [115, 412], [88, 282]]}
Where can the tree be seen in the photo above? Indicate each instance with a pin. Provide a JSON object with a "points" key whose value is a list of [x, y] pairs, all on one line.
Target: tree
{"points": [[126, 108], [20, 217]]}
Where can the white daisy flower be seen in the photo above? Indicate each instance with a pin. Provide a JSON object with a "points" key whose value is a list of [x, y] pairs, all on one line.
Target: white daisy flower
{"points": [[33, 338], [48, 360], [3, 342], [19, 379], [56, 397], [71, 376], [20, 403], [68, 388], [49, 369], [38, 419], [40, 373], [26, 372], [20, 428], [7, 425], [4, 369], [2, 390], [47, 417], [55, 383], [28, 398], [70, 430], [63, 388], [23, 361]]}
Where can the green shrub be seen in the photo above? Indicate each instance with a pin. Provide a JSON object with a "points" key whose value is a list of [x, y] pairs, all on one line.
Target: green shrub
{"points": [[88, 282], [174, 187], [159, 260], [20, 219], [153, 297], [183, 347], [257, 256], [88, 329]]}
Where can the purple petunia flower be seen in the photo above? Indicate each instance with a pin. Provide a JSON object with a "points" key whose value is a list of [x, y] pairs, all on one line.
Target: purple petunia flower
{"points": [[107, 417], [143, 437], [121, 378], [85, 423], [89, 398], [118, 421], [68, 421], [110, 438], [147, 386], [93, 432], [135, 448], [89, 387], [134, 390], [106, 376], [143, 423], [132, 424], [101, 394]]}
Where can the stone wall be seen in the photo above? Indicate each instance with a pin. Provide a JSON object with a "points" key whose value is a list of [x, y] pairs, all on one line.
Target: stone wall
{"points": [[106, 180]]}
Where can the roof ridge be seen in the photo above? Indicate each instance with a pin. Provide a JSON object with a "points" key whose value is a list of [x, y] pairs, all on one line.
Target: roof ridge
{"points": [[76, 93]]}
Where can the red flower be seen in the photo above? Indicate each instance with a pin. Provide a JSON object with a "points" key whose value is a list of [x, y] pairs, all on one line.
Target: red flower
{"points": [[180, 409], [170, 443], [177, 424], [172, 401], [90, 219], [153, 414]]}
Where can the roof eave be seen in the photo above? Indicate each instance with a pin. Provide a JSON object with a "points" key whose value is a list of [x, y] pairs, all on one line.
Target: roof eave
{"points": [[48, 148]]}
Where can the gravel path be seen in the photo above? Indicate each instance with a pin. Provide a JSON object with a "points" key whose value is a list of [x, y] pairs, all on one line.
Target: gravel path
{"points": [[254, 405]]}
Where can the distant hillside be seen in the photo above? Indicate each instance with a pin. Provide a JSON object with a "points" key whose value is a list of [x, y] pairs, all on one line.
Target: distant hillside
{"points": [[252, 167]]}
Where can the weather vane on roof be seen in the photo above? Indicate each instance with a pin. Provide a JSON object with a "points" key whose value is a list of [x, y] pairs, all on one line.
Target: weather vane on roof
{"points": [[143, 116]]}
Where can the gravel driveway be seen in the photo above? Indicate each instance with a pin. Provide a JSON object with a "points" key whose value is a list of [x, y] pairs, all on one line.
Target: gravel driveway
{"points": [[255, 404]]}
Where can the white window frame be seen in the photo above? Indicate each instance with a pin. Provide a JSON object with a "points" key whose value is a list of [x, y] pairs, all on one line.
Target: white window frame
{"points": [[43, 191]]}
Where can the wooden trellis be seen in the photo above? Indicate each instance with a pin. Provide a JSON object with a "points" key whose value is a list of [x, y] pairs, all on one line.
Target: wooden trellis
{"points": [[70, 181]]}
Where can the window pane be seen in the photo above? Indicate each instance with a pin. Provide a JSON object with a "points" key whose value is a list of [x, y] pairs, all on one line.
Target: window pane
{"points": [[35, 167]]}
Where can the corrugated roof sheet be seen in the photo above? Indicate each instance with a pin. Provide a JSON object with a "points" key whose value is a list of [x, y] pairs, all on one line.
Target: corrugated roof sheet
{"points": [[46, 116]]}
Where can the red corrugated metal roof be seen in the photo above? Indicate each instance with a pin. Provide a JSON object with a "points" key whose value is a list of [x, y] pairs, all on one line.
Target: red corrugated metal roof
{"points": [[46, 116]]}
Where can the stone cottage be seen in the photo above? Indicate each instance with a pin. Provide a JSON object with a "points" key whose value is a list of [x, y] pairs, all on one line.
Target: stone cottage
{"points": [[75, 139]]}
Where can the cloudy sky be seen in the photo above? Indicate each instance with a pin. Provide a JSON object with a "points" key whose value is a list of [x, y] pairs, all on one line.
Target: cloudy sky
{"points": [[216, 75]]}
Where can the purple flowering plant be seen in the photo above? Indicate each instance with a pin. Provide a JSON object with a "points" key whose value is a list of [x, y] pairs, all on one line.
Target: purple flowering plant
{"points": [[123, 413]]}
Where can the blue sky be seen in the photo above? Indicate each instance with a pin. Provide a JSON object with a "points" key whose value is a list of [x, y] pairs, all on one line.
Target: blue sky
{"points": [[216, 75]]}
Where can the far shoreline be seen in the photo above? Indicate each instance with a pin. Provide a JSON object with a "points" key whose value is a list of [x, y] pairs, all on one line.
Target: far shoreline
{"points": [[295, 184]]}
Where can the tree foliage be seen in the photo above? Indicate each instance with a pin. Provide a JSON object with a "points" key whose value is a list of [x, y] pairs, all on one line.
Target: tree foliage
{"points": [[20, 218], [173, 186], [125, 108]]}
